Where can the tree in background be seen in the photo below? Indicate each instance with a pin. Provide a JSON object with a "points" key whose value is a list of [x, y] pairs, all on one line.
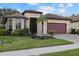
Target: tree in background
{"points": [[6, 11]]}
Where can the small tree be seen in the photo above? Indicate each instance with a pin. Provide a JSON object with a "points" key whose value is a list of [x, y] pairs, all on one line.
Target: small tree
{"points": [[42, 19], [2, 18]]}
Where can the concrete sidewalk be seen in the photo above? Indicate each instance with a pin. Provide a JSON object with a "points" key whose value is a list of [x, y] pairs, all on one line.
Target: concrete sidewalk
{"points": [[38, 51]]}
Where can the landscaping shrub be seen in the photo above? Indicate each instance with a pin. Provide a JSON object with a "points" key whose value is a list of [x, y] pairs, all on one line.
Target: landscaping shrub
{"points": [[8, 32], [73, 31], [51, 32], [15, 32], [78, 31], [2, 27], [20, 32], [24, 32], [2, 31], [5, 32]]}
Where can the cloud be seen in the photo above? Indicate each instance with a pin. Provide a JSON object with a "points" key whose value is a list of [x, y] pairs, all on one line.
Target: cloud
{"points": [[46, 9], [33, 3], [70, 5], [61, 5], [62, 11], [19, 10]]}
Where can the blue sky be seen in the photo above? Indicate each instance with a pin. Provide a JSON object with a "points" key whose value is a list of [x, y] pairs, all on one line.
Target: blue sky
{"points": [[65, 9]]}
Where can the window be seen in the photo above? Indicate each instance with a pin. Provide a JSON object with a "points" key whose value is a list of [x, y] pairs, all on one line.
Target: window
{"points": [[10, 23], [18, 23]]}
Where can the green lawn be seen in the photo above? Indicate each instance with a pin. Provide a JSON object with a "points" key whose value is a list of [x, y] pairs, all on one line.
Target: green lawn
{"points": [[16, 43], [73, 52]]}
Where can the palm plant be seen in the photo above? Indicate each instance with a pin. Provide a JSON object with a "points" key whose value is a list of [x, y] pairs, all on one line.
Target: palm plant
{"points": [[42, 19]]}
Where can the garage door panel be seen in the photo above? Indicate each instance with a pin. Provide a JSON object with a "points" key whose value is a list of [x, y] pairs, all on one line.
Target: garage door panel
{"points": [[58, 27]]}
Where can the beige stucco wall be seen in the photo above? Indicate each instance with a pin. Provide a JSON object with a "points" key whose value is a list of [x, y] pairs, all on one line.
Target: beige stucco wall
{"points": [[22, 23], [7, 23], [28, 23], [13, 23], [45, 28], [34, 15], [61, 21], [74, 25], [39, 28]]}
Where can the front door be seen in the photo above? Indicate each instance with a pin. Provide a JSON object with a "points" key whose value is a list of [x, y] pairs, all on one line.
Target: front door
{"points": [[33, 25]]}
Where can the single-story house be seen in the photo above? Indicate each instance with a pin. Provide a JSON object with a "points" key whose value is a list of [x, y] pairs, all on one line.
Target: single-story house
{"points": [[29, 17], [74, 22]]}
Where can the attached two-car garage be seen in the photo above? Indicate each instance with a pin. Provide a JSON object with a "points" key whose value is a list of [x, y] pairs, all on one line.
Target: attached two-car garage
{"points": [[57, 27], [58, 24]]}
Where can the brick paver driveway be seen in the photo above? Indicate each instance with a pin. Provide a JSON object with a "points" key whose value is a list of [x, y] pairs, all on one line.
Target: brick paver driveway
{"points": [[71, 37]]}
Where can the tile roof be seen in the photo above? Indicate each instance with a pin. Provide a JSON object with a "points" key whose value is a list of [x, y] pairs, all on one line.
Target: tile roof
{"points": [[74, 18], [16, 15], [32, 11], [53, 16]]}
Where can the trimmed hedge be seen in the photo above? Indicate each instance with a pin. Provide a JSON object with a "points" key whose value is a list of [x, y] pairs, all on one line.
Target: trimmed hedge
{"points": [[15, 32], [73, 31], [24, 32], [2, 27], [19, 32], [8, 32], [78, 31], [4, 32]]}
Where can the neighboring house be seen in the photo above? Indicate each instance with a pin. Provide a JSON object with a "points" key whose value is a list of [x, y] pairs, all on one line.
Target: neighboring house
{"points": [[74, 22], [29, 19]]}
